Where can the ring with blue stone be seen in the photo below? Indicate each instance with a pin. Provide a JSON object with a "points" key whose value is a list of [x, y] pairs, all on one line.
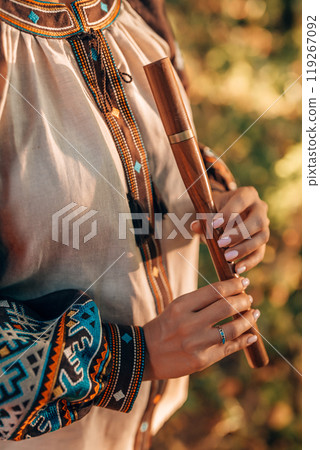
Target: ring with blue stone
{"points": [[222, 334]]}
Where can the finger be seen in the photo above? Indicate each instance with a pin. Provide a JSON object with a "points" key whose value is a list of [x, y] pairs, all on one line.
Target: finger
{"points": [[238, 203], [209, 294], [234, 346], [206, 337], [232, 330], [247, 247], [250, 261], [256, 221], [223, 309], [240, 325], [196, 226]]}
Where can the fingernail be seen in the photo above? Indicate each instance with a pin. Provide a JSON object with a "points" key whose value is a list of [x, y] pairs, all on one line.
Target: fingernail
{"points": [[230, 256], [252, 339], [250, 298], [192, 224], [245, 282], [217, 222], [256, 314], [241, 269], [224, 241]]}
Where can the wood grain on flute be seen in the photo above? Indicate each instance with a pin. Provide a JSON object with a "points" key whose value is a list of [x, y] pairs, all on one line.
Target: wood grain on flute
{"points": [[188, 158]]}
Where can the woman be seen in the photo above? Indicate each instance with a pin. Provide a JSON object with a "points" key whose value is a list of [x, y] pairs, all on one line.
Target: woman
{"points": [[86, 316]]}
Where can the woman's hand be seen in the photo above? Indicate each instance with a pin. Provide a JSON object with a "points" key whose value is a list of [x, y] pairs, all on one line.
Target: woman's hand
{"points": [[183, 338], [245, 243]]}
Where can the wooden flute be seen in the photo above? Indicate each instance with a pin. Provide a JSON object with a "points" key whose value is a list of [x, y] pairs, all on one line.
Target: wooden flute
{"points": [[190, 164]]}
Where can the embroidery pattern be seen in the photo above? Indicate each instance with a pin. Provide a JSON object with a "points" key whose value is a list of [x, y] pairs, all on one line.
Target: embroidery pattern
{"points": [[94, 56], [55, 20], [56, 370]]}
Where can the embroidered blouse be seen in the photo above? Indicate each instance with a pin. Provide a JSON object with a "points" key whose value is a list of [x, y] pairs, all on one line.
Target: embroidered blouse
{"points": [[82, 148]]}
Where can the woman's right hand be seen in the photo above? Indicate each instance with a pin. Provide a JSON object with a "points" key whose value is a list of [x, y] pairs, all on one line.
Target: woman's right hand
{"points": [[183, 339]]}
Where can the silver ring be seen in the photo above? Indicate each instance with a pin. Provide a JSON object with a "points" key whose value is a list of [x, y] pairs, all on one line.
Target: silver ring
{"points": [[222, 335]]}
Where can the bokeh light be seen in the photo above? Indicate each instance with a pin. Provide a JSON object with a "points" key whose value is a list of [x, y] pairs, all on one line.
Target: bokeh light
{"points": [[241, 55]]}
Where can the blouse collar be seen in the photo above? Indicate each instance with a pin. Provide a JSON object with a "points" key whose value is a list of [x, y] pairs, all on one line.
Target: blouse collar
{"points": [[56, 20]]}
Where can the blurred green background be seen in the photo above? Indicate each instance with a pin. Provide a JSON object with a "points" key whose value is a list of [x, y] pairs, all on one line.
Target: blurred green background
{"points": [[241, 55]]}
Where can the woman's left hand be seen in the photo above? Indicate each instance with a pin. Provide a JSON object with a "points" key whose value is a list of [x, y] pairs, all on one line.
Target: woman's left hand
{"points": [[243, 218]]}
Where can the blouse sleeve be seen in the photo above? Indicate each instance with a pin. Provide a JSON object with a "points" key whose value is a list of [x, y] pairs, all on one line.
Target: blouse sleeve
{"points": [[52, 371]]}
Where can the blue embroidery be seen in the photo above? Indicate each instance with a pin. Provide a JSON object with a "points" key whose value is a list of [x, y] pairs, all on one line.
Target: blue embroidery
{"points": [[29, 347], [137, 167], [94, 54], [126, 338], [104, 7], [33, 17]]}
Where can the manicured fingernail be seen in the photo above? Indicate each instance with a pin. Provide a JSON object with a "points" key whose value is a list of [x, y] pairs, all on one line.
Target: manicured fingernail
{"points": [[256, 314], [250, 298], [252, 339], [240, 269], [230, 256], [245, 282], [224, 241], [232, 186], [217, 222], [192, 224]]}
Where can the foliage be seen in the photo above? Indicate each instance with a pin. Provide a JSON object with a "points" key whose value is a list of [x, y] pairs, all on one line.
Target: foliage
{"points": [[241, 55]]}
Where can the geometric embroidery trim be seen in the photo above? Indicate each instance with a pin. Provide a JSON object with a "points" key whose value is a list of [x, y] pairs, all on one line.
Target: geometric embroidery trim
{"points": [[126, 338], [57, 20], [54, 371], [94, 54], [119, 395], [104, 7], [137, 166], [33, 17]]}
